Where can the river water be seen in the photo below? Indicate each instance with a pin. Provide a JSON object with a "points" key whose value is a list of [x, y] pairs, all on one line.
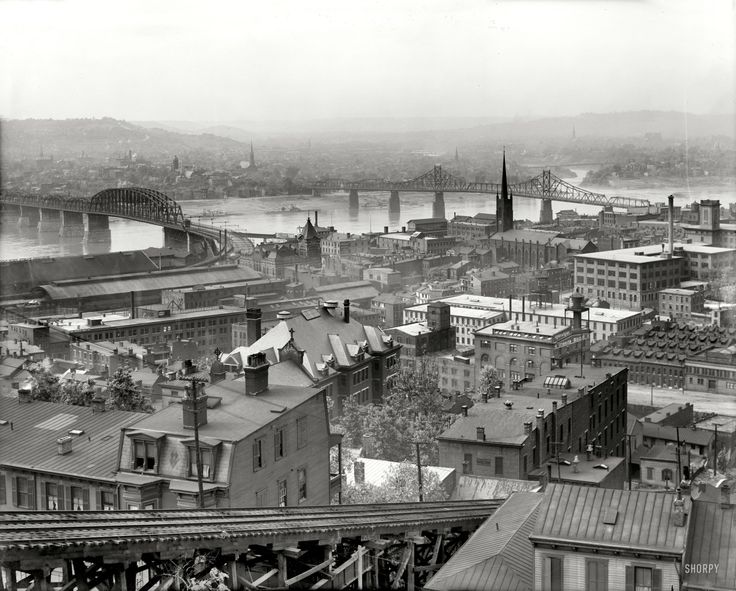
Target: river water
{"points": [[286, 213]]}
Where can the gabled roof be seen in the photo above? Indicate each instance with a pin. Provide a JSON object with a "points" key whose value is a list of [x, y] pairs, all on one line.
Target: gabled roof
{"points": [[644, 522], [497, 556], [308, 232]]}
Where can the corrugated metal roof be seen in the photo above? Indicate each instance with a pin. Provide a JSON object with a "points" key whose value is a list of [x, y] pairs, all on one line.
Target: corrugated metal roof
{"points": [[712, 542], [31, 444], [150, 282], [575, 514], [498, 555], [479, 487]]}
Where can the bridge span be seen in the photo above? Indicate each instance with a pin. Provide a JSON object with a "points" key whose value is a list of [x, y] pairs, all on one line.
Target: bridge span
{"points": [[545, 186], [396, 545]]}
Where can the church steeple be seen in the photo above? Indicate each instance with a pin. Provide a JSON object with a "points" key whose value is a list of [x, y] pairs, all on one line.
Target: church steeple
{"points": [[252, 158], [504, 203], [504, 182]]}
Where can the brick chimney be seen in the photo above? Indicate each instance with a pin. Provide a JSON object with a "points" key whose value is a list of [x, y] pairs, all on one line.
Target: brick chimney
{"points": [[194, 410], [541, 440], [346, 311], [252, 325], [678, 510], [726, 496], [527, 427], [256, 374]]}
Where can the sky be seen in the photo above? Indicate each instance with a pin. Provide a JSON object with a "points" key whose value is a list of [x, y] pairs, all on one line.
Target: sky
{"points": [[322, 59]]}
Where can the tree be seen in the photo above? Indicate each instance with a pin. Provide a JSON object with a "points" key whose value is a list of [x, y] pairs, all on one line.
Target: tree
{"points": [[411, 411], [123, 395], [46, 385], [77, 393], [400, 485], [488, 381]]}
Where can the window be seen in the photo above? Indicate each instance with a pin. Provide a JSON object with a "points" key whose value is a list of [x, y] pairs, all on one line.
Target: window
{"points": [[666, 475], [279, 447], [207, 458], [596, 575], [301, 479], [499, 466], [79, 498], [554, 573], [3, 494], [512, 348], [261, 496], [24, 495], [144, 455], [281, 485], [650, 473], [468, 464], [301, 432], [107, 500], [52, 498], [258, 454], [643, 578]]}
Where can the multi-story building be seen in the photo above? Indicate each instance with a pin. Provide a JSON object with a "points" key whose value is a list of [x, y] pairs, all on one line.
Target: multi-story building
{"points": [[59, 456], [465, 320], [516, 435], [712, 370], [708, 228], [337, 244], [250, 454], [681, 304], [430, 226], [533, 249], [601, 322], [418, 243], [390, 307], [631, 278], [423, 338], [105, 357], [626, 539], [522, 351], [338, 353], [384, 278], [491, 283], [472, 229], [204, 296], [210, 328]]}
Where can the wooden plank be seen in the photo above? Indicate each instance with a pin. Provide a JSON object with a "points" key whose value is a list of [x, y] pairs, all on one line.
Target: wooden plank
{"points": [[436, 550], [263, 578], [402, 567], [360, 568], [320, 584], [428, 567], [10, 577], [307, 573], [410, 569], [246, 583]]}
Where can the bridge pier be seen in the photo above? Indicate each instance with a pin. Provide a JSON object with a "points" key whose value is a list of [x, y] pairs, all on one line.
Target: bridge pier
{"points": [[49, 220], [438, 207], [546, 216], [72, 225], [176, 239], [394, 204], [354, 201], [98, 229], [29, 217]]}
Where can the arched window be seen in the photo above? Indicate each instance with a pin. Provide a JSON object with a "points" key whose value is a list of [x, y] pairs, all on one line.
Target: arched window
{"points": [[483, 359], [666, 475], [512, 361]]}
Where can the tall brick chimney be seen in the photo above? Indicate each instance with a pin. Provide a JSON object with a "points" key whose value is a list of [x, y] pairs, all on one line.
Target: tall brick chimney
{"points": [[256, 374], [253, 325], [194, 409]]}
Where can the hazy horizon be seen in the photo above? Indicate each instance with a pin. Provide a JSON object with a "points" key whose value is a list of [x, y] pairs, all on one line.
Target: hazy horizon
{"points": [[286, 60]]}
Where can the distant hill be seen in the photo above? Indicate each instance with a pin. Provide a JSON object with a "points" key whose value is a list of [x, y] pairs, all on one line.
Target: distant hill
{"points": [[105, 137]]}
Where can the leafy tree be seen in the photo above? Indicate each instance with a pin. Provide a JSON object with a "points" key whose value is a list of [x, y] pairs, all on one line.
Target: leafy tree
{"points": [[77, 393], [488, 381], [411, 411], [46, 386], [400, 485], [123, 395]]}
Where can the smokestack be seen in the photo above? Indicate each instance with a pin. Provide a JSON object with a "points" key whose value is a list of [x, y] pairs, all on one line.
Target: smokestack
{"points": [[510, 300], [346, 311], [523, 308], [671, 207], [252, 325], [316, 218], [132, 305]]}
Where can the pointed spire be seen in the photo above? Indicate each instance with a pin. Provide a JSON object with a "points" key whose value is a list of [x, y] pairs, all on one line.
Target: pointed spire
{"points": [[504, 182], [252, 158]]}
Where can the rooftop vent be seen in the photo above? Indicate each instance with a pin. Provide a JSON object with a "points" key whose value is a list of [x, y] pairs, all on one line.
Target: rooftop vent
{"points": [[508, 404], [283, 315], [329, 304], [64, 445]]}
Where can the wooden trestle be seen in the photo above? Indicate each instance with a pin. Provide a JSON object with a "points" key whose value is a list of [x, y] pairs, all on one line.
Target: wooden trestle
{"points": [[396, 546]]}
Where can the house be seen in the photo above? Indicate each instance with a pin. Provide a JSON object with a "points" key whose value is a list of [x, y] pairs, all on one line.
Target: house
{"points": [[498, 554], [261, 444], [598, 539], [333, 349], [59, 456], [662, 468]]}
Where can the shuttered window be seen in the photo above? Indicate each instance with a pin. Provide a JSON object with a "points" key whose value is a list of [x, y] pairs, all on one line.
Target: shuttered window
{"points": [[596, 575], [24, 494], [643, 578]]}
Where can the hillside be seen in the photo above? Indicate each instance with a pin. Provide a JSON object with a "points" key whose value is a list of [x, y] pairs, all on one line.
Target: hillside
{"points": [[106, 138]]}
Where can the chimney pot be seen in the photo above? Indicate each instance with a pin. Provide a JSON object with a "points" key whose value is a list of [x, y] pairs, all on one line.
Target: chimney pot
{"points": [[464, 409], [527, 427], [554, 406]]}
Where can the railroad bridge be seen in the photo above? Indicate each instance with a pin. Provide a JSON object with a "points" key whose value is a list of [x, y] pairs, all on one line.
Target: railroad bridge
{"points": [[545, 186], [373, 546], [65, 215]]}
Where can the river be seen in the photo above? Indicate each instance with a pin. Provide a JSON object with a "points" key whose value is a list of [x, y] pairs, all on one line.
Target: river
{"points": [[265, 215]]}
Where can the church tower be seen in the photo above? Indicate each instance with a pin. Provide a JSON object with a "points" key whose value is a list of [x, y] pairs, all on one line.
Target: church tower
{"points": [[504, 204], [252, 158]]}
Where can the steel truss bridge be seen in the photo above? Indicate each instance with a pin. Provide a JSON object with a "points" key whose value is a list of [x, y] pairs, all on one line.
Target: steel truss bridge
{"points": [[391, 545], [134, 203], [543, 186]]}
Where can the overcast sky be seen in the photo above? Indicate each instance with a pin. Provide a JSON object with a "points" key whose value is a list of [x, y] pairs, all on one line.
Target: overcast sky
{"points": [[307, 59]]}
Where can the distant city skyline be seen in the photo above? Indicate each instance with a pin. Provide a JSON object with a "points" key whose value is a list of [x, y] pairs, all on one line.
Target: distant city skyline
{"points": [[286, 60]]}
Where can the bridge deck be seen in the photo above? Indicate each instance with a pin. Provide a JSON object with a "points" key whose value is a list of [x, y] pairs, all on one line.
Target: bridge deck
{"points": [[28, 534]]}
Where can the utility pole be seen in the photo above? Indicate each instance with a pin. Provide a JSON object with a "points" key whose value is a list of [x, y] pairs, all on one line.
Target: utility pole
{"points": [[419, 474], [679, 466], [715, 450], [628, 458], [557, 445], [198, 459]]}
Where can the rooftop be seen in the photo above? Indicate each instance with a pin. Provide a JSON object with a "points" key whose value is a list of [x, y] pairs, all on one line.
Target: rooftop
{"points": [[522, 329], [651, 252], [498, 554], [31, 442], [593, 471], [628, 520], [479, 487]]}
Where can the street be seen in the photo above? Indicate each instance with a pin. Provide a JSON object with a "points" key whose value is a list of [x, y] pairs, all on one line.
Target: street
{"points": [[702, 401]]}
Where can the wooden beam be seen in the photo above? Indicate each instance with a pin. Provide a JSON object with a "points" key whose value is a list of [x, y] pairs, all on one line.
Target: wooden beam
{"points": [[320, 583], [428, 567], [10, 577], [410, 568], [436, 550], [360, 568], [262, 579], [308, 573], [282, 570], [402, 567]]}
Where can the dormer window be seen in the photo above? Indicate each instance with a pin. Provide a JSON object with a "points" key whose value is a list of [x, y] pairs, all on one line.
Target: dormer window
{"points": [[145, 451], [208, 452]]}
